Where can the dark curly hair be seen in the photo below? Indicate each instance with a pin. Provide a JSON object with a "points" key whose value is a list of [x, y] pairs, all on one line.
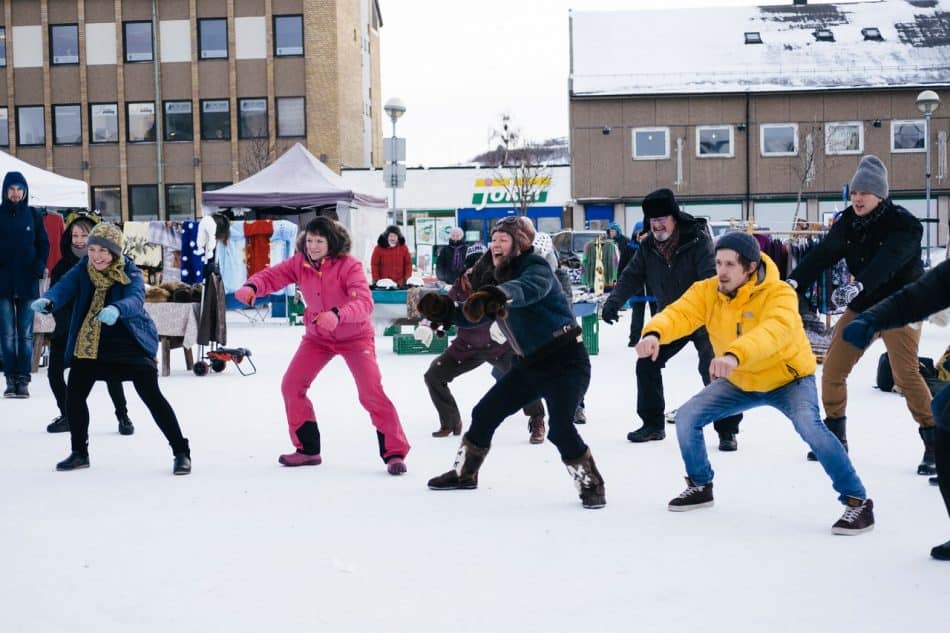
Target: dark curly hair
{"points": [[338, 240]]}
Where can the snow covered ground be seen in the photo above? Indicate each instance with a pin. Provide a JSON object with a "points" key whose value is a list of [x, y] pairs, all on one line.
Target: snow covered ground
{"points": [[244, 544]]}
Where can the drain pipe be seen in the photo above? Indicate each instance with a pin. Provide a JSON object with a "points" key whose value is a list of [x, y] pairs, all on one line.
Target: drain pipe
{"points": [[748, 161], [159, 115]]}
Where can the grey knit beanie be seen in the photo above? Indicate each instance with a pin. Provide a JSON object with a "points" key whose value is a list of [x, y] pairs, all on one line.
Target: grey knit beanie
{"points": [[742, 243], [871, 177]]}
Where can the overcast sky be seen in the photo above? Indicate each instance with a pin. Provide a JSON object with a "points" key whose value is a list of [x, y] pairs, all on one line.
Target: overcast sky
{"points": [[459, 65]]}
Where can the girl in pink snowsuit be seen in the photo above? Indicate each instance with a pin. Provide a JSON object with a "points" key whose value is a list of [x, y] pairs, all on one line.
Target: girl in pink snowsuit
{"points": [[337, 321]]}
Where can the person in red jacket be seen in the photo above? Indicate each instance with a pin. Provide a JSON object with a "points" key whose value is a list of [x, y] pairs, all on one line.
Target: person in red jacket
{"points": [[337, 319], [391, 259]]}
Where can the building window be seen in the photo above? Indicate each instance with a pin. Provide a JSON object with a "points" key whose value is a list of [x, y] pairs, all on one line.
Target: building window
{"points": [[4, 127], [138, 41], [215, 119], [104, 122], [908, 136], [143, 202], [67, 124], [107, 200], [180, 202], [651, 143], [715, 141], [290, 117], [213, 38], [844, 138], [31, 125], [778, 139], [3, 46], [288, 35], [179, 125], [252, 118], [214, 186], [140, 122], [64, 44]]}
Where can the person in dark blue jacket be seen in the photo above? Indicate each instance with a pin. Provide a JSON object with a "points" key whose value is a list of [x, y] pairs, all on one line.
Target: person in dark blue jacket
{"points": [[551, 361], [111, 337], [24, 247]]}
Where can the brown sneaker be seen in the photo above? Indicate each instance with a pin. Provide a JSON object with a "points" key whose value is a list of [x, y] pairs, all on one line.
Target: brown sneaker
{"points": [[858, 517], [536, 426]]}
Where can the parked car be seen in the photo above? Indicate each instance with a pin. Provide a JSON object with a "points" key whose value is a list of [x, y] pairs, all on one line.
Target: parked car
{"points": [[569, 246]]}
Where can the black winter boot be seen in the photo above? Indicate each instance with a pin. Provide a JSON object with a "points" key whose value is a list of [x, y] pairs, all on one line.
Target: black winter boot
{"points": [[10, 391], [59, 425], [727, 442], [588, 481], [838, 427], [647, 433], [928, 464], [182, 460], [941, 552], [75, 461], [22, 388], [125, 424], [464, 473]]}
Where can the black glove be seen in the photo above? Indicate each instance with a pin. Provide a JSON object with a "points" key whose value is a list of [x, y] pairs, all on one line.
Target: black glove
{"points": [[435, 307], [490, 300], [860, 331], [610, 313]]}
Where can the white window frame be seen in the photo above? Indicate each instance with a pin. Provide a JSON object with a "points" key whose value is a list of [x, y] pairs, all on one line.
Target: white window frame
{"points": [[732, 141], [666, 143], [829, 127], [768, 126], [909, 150]]}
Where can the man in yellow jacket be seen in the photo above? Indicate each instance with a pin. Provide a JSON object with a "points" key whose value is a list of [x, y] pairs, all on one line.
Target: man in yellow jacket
{"points": [[762, 357]]}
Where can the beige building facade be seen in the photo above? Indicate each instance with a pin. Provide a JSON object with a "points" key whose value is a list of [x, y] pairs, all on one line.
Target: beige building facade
{"points": [[153, 102]]}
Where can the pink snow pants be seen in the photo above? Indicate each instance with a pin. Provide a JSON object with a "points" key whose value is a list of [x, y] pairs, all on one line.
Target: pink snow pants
{"points": [[360, 357]]}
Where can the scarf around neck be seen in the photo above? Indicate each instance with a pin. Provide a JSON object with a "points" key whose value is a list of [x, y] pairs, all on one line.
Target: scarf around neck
{"points": [[668, 248], [87, 341]]}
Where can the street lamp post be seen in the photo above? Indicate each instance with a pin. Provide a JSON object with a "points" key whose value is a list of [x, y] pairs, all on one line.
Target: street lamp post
{"points": [[927, 102], [395, 108]]}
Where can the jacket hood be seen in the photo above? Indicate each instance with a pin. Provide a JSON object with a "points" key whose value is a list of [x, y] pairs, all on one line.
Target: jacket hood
{"points": [[767, 271], [15, 178], [384, 243], [66, 241]]}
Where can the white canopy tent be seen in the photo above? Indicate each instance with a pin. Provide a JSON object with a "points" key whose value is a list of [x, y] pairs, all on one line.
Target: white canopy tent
{"points": [[47, 189]]}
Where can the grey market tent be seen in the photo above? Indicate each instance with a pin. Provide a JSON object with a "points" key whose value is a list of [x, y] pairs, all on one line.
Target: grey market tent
{"points": [[296, 179]]}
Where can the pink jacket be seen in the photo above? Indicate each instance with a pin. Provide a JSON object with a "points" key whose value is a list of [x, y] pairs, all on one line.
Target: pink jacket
{"points": [[339, 283]]}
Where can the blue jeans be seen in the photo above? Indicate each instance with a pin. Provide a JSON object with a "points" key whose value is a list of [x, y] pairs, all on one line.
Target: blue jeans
{"points": [[798, 400], [16, 337]]}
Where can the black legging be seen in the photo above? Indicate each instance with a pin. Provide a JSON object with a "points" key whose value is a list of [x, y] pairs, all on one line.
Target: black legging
{"points": [[57, 382], [84, 373]]}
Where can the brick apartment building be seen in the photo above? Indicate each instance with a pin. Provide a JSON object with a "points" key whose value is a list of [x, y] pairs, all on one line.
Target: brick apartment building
{"points": [[235, 81]]}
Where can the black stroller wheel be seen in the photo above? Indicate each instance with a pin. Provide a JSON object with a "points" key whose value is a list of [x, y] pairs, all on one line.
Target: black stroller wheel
{"points": [[218, 365], [200, 368]]}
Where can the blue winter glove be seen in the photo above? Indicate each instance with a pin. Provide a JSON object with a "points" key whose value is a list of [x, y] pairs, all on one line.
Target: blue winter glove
{"points": [[610, 313], [41, 305], [108, 315], [845, 294], [860, 331]]}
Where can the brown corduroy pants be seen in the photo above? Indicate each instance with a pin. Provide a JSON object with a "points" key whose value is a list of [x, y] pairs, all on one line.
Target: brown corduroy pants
{"points": [[901, 344]]}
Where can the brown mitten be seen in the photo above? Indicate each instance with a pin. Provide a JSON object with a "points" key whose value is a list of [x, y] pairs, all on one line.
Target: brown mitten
{"points": [[436, 307], [490, 301]]}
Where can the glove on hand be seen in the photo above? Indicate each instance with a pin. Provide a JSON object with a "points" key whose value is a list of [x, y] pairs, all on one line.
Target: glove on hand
{"points": [[435, 307], [424, 335], [326, 321], [490, 301], [245, 294], [610, 313], [844, 295], [860, 331], [108, 315], [41, 305]]}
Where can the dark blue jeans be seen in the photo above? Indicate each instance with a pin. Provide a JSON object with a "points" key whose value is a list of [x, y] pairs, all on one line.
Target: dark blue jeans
{"points": [[16, 337], [941, 410]]}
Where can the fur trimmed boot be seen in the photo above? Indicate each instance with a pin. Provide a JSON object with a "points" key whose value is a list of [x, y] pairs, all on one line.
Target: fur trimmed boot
{"points": [[536, 427], [928, 463], [464, 473], [587, 480], [838, 427]]}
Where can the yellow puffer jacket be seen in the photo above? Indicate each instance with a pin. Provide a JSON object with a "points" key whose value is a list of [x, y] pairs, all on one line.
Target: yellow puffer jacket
{"points": [[760, 326]]}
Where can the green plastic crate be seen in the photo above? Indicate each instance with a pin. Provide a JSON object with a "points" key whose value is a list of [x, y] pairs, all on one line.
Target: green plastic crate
{"points": [[590, 331], [406, 344]]}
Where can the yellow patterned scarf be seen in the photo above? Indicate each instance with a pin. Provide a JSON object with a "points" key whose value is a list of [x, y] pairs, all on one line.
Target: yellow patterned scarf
{"points": [[87, 342]]}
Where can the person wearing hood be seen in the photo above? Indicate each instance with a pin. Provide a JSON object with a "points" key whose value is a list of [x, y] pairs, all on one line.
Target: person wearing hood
{"points": [[450, 263], [24, 247], [111, 337], [615, 233], [391, 258], [762, 358], [880, 241], [338, 322], [72, 248], [530, 308], [677, 253]]}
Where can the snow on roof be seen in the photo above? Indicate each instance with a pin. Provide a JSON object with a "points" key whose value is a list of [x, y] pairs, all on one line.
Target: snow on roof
{"points": [[704, 50]]}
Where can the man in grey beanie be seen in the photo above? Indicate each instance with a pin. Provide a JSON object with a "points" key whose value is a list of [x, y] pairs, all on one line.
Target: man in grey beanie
{"points": [[880, 241]]}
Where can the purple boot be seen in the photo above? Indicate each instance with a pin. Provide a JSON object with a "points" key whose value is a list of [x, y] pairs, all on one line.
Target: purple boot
{"points": [[396, 466], [299, 458]]}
